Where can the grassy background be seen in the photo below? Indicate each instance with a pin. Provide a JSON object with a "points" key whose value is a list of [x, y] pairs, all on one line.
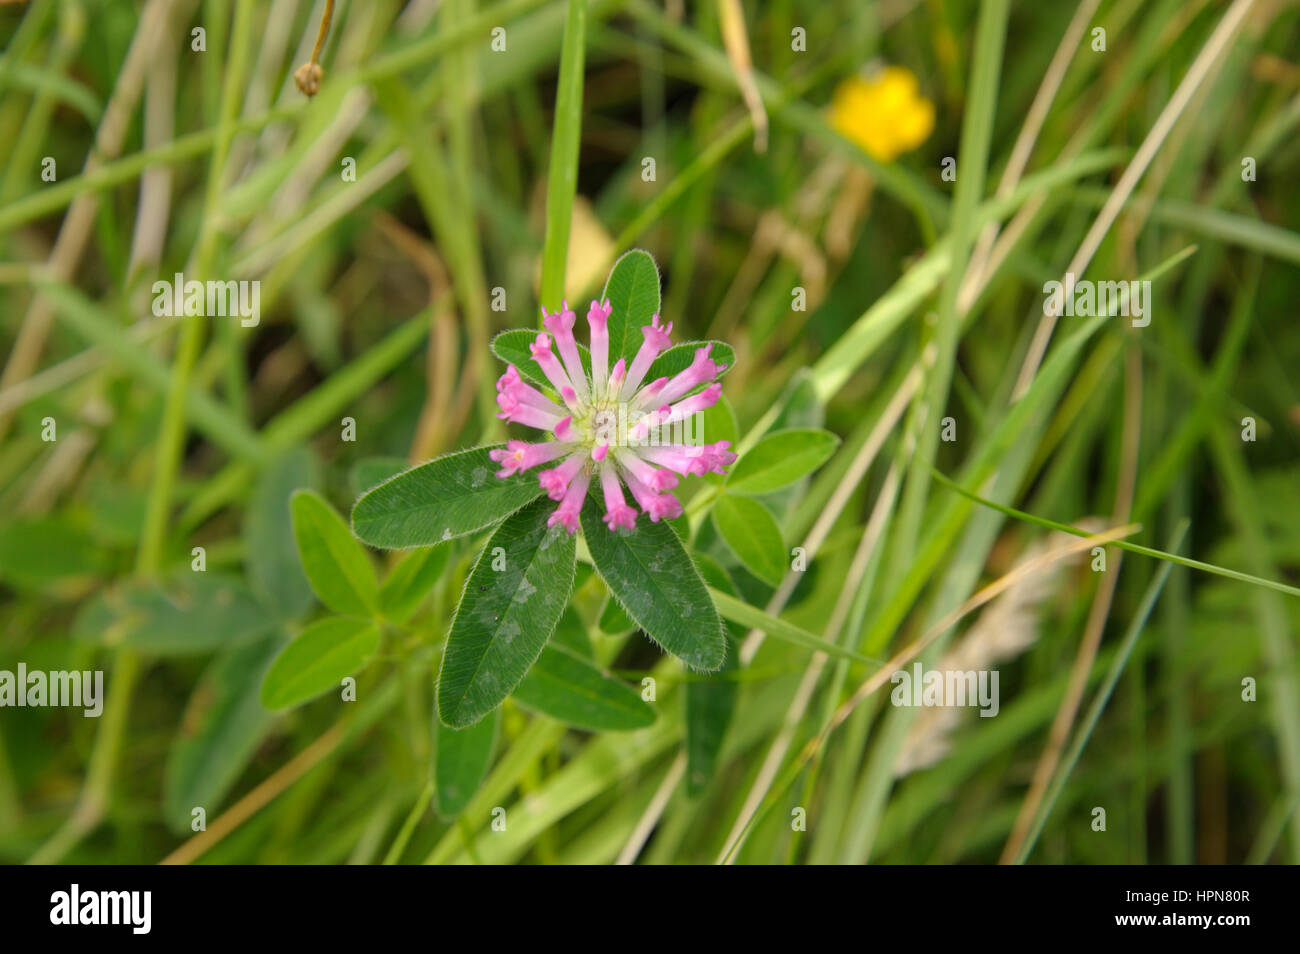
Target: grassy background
{"points": [[474, 170]]}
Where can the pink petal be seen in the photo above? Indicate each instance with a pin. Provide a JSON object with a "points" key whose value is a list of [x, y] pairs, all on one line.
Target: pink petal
{"points": [[560, 325], [616, 378], [516, 412], [692, 405], [550, 365], [654, 341], [556, 480], [512, 383], [565, 430], [654, 479], [566, 514], [681, 458], [617, 512], [664, 506], [702, 370], [598, 319], [650, 393], [518, 456]]}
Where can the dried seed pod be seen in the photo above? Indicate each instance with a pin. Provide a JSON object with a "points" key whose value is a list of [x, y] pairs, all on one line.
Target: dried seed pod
{"points": [[308, 77]]}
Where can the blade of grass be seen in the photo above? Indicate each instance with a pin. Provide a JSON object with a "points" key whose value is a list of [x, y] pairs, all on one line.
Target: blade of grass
{"points": [[929, 205], [914, 649], [1122, 544], [976, 138], [208, 416], [1275, 241], [93, 801], [566, 140], [1190, 82], [746, 615], [312, 411], [450, 217], [1089, 722], [1276, 637]]}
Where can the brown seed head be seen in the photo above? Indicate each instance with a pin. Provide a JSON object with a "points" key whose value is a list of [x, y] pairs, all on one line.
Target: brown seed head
{"points": [[308, 77]]}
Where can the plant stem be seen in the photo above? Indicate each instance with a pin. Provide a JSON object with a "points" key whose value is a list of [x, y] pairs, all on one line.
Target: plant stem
{"points": [[562, 181]]}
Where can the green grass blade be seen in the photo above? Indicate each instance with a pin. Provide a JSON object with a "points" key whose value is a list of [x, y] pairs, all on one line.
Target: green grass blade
{"points": [[566, 137]]}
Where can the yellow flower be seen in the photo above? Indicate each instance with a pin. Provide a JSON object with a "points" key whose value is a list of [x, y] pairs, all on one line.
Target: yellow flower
{"points": [[884, 114]]}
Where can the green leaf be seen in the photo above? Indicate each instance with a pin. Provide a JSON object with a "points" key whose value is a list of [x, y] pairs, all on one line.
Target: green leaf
{"points": [[652, 576], [318, 660], [718, 423], [714, 573], [372, 471], [711, 699], [408, 583], [799, 404], [219, 733], [570, 631], [679, 357], [512, 347], [270, 553], [448, 497], [513, 598], [570, 689], [460, 762], [337, 566], [632, 291], [191, 613], [751, 531], [40, 551], [682, 525], [115, 513], [781, 458], [710, 706], [613, 619], [798, 407]]}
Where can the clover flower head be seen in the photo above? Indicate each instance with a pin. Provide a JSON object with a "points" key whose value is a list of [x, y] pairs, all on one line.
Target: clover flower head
{"points": [[883, 113], [605, 430]]}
